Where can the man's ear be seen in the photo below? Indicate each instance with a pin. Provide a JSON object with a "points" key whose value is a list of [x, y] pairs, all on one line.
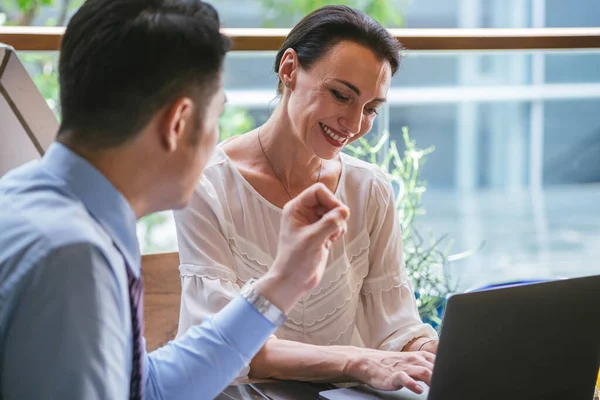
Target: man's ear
{"points": [[178, 118], [288, 68]]}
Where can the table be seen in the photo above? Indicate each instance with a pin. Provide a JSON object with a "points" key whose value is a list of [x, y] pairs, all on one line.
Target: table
{"points": [[289, 390], [280, 390]]}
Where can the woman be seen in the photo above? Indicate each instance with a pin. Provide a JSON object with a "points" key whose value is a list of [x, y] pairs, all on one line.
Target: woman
{"points": [[335, 69]]}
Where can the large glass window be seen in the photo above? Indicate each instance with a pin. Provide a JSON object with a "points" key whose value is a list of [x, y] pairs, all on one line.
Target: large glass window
{"points": [[391, 13], [513, 182], [515, 174]]}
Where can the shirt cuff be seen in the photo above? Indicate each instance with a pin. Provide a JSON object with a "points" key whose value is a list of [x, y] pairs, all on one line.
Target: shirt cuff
{"points": [[243, 327], [398, 341]]}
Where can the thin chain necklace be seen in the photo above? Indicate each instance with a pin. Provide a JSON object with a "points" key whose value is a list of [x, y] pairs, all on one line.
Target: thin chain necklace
{"points": [[273, 169]]}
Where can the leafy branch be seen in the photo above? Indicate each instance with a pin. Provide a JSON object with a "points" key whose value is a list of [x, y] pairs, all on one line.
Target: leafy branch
{"points": [[425, 259], [25, 12], [285, 13]]}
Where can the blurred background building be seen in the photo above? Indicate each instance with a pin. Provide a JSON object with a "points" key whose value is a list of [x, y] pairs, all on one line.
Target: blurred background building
{"points": [[516, 169]]}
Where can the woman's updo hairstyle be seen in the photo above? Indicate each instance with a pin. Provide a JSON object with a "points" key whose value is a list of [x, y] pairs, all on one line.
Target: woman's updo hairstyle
{"points": [[322, 29]]}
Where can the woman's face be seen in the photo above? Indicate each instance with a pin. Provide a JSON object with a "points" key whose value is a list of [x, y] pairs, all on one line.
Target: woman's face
{"points": [[336, 101]]}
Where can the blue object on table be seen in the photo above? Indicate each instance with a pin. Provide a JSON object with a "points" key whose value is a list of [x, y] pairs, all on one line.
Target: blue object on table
{"points": [[441, 308]]}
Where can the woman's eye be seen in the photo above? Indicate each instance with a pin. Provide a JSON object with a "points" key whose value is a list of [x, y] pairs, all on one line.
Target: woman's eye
{"points": [[338, 95]]}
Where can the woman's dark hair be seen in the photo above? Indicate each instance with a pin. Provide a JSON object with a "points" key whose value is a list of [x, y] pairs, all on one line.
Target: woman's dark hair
{"points": [[322, 29]]}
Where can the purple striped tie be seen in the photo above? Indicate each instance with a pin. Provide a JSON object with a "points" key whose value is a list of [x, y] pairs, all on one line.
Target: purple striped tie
{"points": [[136, 301]]}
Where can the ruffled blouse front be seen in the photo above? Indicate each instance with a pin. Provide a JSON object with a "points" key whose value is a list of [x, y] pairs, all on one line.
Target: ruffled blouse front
{"points": [[228, 234]]}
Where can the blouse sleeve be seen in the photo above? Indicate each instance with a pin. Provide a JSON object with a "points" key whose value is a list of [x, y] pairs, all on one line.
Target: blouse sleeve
{"points": [[208, 276], [389, 318]]}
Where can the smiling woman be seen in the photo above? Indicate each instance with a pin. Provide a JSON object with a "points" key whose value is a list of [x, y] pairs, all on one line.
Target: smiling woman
{"points": [[334, 70], [335, 99]]}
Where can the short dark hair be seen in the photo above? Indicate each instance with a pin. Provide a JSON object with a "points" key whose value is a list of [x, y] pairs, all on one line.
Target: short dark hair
{"points": [[325, 27], [123, 60]]}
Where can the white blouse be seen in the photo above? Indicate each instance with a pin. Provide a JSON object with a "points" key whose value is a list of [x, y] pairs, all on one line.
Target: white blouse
{"points": [[228, 234]]}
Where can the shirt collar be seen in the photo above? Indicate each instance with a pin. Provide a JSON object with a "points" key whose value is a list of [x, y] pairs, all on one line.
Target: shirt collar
{"points": [[103, 201]]}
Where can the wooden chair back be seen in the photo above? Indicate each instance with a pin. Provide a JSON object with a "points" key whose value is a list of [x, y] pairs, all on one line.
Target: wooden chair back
{"points": [[162, 296]]}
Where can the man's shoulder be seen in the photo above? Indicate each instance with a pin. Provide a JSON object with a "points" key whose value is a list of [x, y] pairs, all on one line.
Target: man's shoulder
{"points": [[42, 221], [37, 211]]}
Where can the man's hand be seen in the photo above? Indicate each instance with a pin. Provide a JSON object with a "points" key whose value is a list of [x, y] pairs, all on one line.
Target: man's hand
{"points": [[310, 222]]}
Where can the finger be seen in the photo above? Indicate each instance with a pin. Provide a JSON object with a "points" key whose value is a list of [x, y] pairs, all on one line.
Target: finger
{"points": [[329, 224], [402, 379], [433, 346], [341, 232], [320, 211], [420, 373], [318, 195], [428, 365], [428, 356], [422, 362]]}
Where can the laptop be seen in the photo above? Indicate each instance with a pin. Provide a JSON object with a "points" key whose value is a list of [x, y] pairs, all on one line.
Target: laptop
{"points": [[530, 342], [364, 392]]}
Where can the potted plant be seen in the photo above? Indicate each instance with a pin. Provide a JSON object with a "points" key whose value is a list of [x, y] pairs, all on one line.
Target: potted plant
{"points": [[426, 259]]}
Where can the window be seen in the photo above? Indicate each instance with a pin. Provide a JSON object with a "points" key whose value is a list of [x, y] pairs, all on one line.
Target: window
{"points": [[514, 176]]}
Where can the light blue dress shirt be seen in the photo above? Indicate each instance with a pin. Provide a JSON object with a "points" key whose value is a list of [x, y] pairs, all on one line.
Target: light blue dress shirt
{"points": [[66, 237]]}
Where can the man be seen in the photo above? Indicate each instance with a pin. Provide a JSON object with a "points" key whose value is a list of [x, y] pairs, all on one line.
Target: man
{"points": [[141, 93]]}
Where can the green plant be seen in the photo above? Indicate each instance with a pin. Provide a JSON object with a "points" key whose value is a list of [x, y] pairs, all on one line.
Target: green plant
{"points": [[42, 68], [149, 233], [235, 121], [425, 259], [30, 12], [285, 13]]}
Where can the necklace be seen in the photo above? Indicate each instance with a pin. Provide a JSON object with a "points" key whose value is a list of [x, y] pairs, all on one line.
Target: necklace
{"points": [[273, 169]]}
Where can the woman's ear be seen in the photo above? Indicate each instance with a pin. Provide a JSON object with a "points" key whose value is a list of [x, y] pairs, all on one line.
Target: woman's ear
{"points": [[288, 67]]}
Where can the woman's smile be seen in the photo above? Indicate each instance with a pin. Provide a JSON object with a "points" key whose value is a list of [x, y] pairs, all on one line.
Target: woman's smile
{"points": [[333, 137]]}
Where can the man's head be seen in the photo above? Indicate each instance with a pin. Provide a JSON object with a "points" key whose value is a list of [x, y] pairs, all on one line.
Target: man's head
{"points": [[145, 74]]}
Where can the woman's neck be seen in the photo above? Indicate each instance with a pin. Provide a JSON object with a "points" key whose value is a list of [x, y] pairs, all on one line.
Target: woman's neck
{"points": [[294, 163]]}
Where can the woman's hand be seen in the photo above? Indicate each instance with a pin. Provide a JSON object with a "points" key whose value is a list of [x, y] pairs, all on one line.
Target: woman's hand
{"points": [[385, 370], [422, 343], [430, 346], [310, 222]]}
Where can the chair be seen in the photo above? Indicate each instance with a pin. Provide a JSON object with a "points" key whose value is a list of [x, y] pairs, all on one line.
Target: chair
{"points": [[162, 296], [27, 125]]}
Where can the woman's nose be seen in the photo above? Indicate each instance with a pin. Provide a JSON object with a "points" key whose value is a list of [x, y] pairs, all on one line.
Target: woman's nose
{"points": [[352, 121]]}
